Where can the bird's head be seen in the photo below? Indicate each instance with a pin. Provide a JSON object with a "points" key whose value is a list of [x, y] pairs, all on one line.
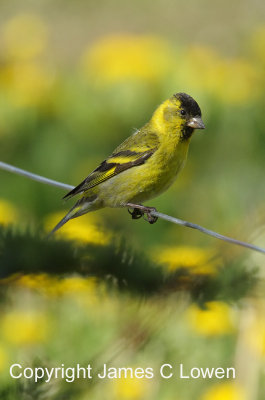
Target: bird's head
{"points": [[180, 114]]}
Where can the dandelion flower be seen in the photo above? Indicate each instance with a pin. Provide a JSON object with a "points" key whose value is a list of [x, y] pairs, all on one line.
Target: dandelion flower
{"points": [[24, 328], [215, 319], [227, 391]]}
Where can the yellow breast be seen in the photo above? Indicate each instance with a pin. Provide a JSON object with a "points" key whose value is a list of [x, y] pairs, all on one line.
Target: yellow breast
{"points": [[141, 183]]}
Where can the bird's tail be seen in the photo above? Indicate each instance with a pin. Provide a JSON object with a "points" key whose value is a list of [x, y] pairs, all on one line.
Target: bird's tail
{"points": [[63, 221], [84, 205]]}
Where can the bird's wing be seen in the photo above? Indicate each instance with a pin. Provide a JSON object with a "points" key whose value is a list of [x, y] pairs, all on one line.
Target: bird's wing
{"points": [[120, 160]]}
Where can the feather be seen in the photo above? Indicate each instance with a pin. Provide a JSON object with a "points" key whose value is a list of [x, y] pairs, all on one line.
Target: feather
{"points": [[81, 207], [115, 164]]}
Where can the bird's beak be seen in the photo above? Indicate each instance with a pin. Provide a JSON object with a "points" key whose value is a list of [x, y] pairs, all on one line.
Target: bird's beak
{"points": [[196, 123]]}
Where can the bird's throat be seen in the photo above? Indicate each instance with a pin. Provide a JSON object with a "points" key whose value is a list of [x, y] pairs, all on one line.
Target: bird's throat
{"points": [[186, 132]]}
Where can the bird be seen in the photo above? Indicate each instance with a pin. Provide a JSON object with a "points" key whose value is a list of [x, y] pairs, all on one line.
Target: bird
{"points": [[143, 166]]}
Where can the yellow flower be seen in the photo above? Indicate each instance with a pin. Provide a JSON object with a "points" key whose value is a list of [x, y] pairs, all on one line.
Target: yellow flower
{"points": [[23, 328], [216, 319], [75, 286], [117, 58], [8, 213], [25, 83], [83, 229], [130, 388], [241, 80], [33, 281], [25, 37], [229, 80], [24, 79], [43, 283], [227, 391], [195, 259]]}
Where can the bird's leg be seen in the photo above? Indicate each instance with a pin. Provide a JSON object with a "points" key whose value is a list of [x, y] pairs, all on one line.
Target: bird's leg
{"points": [[139, 210]]}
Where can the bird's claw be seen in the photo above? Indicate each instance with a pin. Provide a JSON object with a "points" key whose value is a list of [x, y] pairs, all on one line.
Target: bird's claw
{"points": [[136, 213], [149, 217]]}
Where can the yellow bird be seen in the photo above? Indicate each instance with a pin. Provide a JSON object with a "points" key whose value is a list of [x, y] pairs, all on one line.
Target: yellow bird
{"points": [[144, 165]]}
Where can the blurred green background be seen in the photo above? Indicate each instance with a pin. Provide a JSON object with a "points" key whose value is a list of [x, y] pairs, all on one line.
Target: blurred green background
{"points": [[76, 78]]}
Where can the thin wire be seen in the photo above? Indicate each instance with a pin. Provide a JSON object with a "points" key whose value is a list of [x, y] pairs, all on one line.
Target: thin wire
{"points": [[207, 231], [38, 178]]}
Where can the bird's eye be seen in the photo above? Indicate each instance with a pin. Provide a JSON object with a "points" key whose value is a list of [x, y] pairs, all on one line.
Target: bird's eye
{"points": [[182, 112]]}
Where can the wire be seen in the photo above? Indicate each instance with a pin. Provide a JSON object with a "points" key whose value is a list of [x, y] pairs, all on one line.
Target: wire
{"points": [[41, 179], [38, 178], [207, 231]]}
